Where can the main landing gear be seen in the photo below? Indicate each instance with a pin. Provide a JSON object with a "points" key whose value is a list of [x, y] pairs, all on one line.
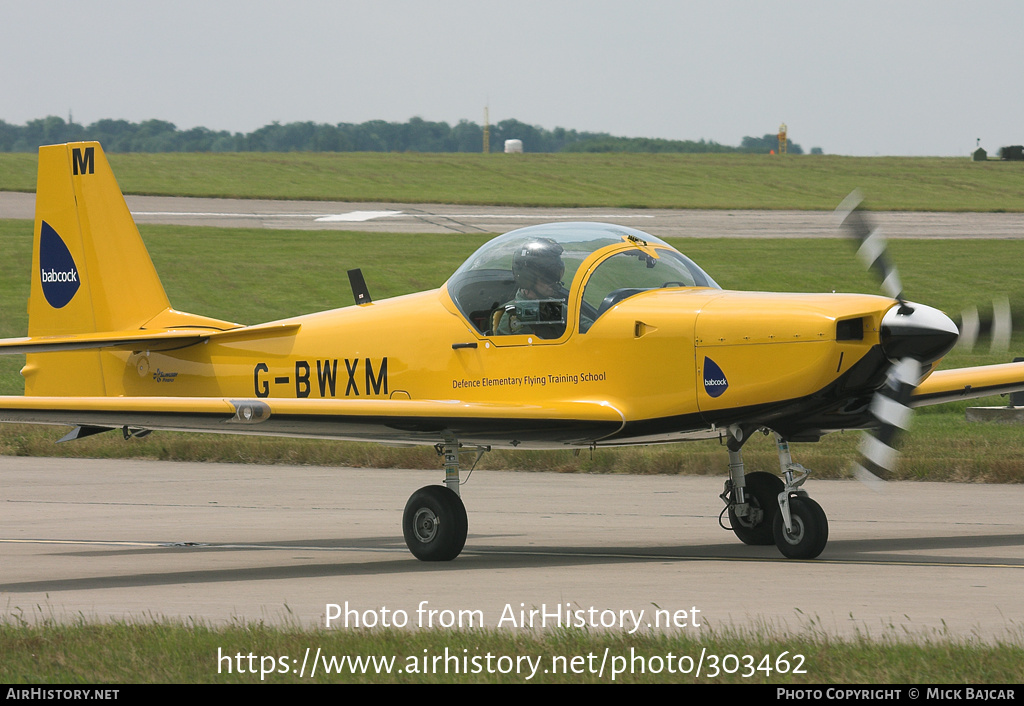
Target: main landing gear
{"points": [[765, 510], [434, 522]]}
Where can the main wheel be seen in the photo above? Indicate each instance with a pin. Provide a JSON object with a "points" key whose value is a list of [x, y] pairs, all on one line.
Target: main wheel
{"points": [[435, 524], [810, 529], [762, 492]]}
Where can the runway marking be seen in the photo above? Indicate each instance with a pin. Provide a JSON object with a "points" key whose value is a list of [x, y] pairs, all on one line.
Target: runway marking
{"points": [[357, 216], [761, 560], [542, 216], [205, 545], [363, 216], [214, 214], [565, 554], [85, 542]]}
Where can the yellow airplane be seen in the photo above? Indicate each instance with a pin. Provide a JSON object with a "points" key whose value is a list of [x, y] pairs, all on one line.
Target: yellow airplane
{"points": [[570, 335]]}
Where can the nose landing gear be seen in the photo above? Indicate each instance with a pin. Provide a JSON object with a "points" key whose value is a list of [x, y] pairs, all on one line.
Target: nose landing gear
{"points": [[765, 510]]}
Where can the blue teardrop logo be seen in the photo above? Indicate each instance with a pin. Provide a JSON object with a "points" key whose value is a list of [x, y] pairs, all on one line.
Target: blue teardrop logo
{"points": [[57, 270], [714, 379]]}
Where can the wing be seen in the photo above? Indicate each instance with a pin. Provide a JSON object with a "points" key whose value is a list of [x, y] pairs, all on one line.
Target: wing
{"points": [[969, 383], [573, 423]]}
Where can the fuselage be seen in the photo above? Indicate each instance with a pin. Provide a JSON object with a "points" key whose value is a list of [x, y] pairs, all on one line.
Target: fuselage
{"points": [[638, 330], [673, 361]]}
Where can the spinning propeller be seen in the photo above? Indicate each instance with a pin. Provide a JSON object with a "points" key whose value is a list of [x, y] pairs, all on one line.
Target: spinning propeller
{"points": [[997, 325], [913, 336]]}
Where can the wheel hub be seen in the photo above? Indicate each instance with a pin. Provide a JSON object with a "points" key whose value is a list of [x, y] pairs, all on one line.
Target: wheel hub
{"points": [[425, 525], [797, 535]]}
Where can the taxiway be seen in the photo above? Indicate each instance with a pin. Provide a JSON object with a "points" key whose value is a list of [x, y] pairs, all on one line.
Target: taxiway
{"points": [[442, 218], [137, 540]]}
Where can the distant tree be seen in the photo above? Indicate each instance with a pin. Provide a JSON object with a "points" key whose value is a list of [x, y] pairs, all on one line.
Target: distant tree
{"points": [[767, 144], [533, 138], [9, 134], [416, 135], [466, 137], [606, 143]]}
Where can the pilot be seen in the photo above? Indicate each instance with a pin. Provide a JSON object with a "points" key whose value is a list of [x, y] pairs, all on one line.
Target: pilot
{"points": [[537, 269]]}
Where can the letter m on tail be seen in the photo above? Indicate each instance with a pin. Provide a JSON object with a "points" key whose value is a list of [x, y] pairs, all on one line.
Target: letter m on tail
{"points": [[83, 161]]}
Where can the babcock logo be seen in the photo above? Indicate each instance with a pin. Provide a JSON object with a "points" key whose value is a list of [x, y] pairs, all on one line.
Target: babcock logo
{"points": [[714, 379], [57, 269]]}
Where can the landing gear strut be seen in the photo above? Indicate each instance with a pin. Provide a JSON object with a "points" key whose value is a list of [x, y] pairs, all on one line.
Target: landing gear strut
{"points": [[765, 510], [434, 523]]}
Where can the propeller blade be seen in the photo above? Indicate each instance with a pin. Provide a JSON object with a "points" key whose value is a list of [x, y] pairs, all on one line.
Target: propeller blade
{"points": [[911, 336], [998, 327], [1002, 325], [873, 249], [891, 409], [970, 329]]}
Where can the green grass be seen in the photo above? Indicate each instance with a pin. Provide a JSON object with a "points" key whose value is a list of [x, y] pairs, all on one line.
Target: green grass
{"points": [[729, 181], [254, 275], [163, 652]]}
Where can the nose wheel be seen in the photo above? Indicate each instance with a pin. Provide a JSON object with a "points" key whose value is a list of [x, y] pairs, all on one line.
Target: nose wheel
{"points": [[765, 510], [807, 534]]}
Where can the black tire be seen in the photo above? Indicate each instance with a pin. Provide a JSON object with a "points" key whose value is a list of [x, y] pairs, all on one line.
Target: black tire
{"points": [[810, 529], [435, 524], [762, 491]]}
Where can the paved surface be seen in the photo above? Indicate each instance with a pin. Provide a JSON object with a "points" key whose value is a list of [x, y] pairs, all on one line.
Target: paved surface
{"points": [[133, 539], [439, 218]]}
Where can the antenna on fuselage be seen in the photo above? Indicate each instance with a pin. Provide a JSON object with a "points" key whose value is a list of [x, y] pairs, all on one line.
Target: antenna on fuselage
{"points": [[359, 291]]}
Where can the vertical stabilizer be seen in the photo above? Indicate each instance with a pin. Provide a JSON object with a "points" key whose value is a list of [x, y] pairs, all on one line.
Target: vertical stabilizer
{"points": [[90, 269]]}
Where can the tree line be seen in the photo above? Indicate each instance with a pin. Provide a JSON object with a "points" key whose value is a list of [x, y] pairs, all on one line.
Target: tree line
{"points": [[416, 135]]}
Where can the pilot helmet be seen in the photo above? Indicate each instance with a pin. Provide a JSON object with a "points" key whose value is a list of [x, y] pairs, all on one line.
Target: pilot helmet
{"points": [[537, 260]]}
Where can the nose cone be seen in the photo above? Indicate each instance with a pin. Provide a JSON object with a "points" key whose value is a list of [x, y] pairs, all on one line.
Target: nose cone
{"points": [[917, 331]]}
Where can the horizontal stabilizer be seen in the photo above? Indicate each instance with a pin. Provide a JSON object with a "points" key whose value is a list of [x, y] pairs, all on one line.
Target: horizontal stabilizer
{"points": [[150, 340]]}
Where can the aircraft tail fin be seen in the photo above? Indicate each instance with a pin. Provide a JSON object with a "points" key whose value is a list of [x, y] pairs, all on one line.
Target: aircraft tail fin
{"points": [[91, 271]]}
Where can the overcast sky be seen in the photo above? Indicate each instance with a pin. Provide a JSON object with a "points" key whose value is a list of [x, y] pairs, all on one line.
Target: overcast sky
{"points": [[868, 77]]}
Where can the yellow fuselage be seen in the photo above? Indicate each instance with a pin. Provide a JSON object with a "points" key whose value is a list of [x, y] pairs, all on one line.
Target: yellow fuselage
{"points": [[646, 357]]}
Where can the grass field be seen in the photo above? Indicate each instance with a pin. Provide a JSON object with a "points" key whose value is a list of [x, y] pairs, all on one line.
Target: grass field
{"points": [[615, 180], [167, 653]]}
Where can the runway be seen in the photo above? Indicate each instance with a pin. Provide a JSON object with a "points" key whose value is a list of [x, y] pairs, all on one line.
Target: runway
{"points": [[138, 540], [446, 218]]}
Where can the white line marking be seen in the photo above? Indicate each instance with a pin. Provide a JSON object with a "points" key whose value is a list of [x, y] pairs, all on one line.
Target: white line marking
{"points": [[211, 214], [362, 216], [357, 216]]}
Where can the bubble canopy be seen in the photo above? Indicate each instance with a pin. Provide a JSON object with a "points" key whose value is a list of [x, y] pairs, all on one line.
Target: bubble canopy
{"points": [[620, 262]]}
